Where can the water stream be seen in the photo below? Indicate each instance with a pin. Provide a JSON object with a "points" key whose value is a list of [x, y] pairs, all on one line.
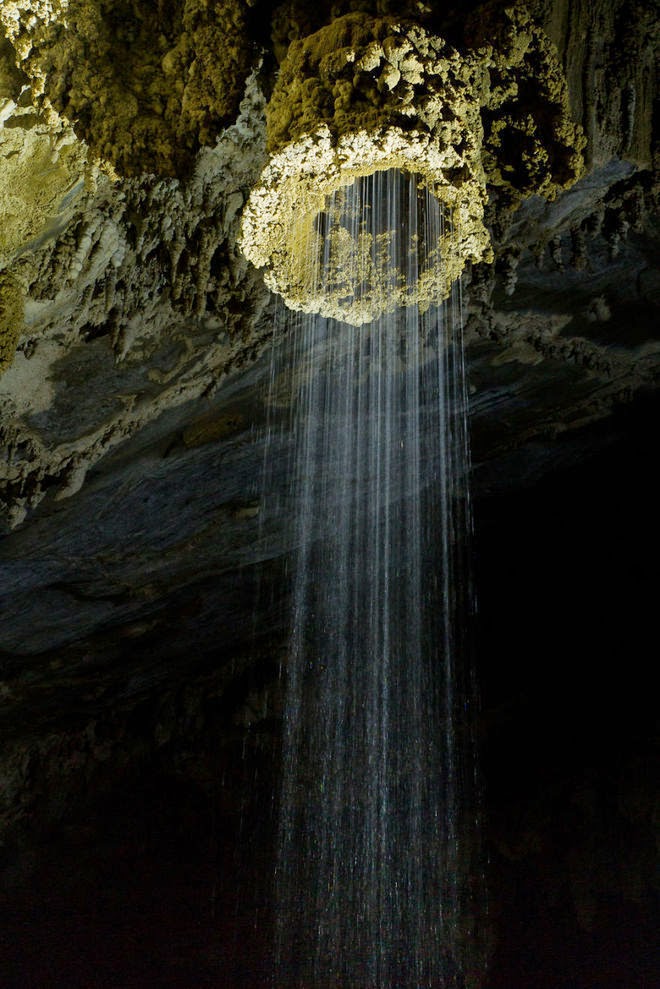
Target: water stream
{"points": [[375, 867]]}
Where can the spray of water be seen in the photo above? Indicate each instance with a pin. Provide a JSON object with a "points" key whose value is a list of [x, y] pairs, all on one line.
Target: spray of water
{"points": [[375, 848]]}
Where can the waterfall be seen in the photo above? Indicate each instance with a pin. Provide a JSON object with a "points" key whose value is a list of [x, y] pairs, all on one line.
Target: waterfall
{"points": [[375, 853]]}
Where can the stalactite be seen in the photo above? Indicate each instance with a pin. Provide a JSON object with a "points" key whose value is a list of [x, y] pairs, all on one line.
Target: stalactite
{"points": [[511, 273], [557, 252], [579, 256]]}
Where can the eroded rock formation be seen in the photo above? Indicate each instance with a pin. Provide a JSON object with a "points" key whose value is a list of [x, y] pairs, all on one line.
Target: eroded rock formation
{"points": [[133, 414], [11, 318], [363, 94], [358, 96], [43, 164], [144, 85], [142, 302]]}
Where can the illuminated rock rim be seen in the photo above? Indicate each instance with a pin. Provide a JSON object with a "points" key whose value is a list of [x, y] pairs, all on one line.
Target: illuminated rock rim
{"points": [[360, 96]]}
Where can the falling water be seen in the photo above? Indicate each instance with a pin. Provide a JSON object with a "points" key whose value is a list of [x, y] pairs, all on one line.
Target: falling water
{"points": [[376, 813]]}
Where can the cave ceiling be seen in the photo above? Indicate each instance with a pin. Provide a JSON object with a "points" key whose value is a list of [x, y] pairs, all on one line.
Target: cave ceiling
{"points": [[134, 334]]}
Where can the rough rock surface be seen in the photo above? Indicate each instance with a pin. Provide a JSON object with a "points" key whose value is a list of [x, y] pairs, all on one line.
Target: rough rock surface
{"points": [[133, 422], [11, 318], [531, 143], [42, 162], [608, 51], [362, 95], [141, 303], [145, 85]]}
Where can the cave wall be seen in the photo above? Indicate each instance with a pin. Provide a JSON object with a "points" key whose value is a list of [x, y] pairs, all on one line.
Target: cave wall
{"points": [[135, 536], [128, 296]]}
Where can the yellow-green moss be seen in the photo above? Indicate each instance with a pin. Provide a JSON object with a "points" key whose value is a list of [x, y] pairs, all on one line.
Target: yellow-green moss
{"points": [[368, 93], [361, 73], [531, 144], [34, 179], [12, 313], [41, 160], [144, 83], [12, 79], [359, 96]]}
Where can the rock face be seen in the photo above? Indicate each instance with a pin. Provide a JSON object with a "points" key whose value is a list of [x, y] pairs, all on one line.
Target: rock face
{"points": [[531, 143], [43, 164], [144, 85], [143, 268], [134, 415], [11, 318], [608, 51]]}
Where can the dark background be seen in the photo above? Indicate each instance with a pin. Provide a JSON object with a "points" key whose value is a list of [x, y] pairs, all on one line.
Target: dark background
{"points": [[158, 874]]}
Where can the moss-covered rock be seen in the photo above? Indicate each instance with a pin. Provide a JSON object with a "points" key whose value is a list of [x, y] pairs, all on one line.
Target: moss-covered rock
{"points": [[144, 84], [41, 161], [531, 143], [41, 164], [360, 96], [367, 93], [12, 308]]}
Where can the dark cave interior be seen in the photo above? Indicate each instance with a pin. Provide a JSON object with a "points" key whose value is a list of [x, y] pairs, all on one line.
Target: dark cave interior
{"points": [[159, 874]]}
